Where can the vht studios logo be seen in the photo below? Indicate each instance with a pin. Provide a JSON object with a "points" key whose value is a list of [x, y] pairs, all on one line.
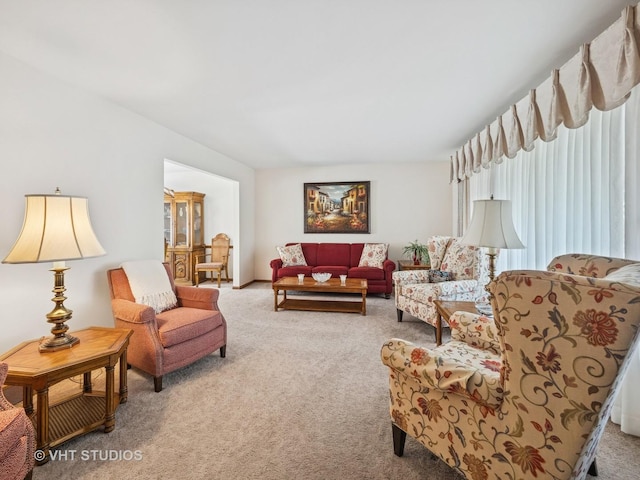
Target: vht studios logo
{"points": [[90, 455]]}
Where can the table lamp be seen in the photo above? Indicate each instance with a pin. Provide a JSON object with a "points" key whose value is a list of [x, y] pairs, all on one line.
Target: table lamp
{"points": [[492, 227], [56, 228]]}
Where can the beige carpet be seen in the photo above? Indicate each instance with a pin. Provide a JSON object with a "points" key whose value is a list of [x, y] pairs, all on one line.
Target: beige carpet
{"points": [[300, 395]]}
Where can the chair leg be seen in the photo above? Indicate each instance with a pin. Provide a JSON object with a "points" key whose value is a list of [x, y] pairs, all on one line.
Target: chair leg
{"points": [[223, 351], [399, 313], [593, 469], [157, 383], [197, 278], [399, 437]]}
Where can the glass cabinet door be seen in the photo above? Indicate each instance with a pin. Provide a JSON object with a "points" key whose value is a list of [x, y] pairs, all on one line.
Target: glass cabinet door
{"points": [[198, 234], [182, 224], [168, 229]]}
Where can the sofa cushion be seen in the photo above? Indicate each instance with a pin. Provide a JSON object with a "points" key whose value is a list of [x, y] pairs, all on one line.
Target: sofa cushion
{"points": [[182, 324], [291, 255], [437, 246], [370, 273], [334, 270], [333, 254], [461, 260], [294, 271], [373, 255]]}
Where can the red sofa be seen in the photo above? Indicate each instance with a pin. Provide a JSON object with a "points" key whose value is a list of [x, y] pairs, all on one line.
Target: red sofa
{"points": [[337, 259]]}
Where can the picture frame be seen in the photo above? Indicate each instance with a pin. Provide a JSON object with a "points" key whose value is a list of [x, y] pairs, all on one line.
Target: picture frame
{"points": [[337, 207]]}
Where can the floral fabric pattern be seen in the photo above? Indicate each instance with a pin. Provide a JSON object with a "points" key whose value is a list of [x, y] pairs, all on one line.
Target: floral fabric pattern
{"points": [[292, 255], [415, 290], [437, 246], [525, 395], [373, 255]]}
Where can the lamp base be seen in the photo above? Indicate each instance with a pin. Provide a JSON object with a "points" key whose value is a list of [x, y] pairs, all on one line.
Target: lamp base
{"points": [[62, 342], [60, 314]]}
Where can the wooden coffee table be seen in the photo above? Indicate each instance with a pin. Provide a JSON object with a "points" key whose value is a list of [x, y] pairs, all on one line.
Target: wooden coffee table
{"points": [[333, 285], [99, 347], [446, 308]]}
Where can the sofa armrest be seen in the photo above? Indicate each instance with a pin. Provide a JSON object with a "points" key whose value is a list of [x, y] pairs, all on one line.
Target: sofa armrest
{"points": [[275, 265], [478, 331], [131, 312], [408, 277], [444, 369], [195, 297], [587, 265]]}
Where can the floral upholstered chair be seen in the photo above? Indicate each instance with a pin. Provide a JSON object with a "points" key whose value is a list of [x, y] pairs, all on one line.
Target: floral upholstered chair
{"points": [[527, 395], [458, 272], [17, 438]]}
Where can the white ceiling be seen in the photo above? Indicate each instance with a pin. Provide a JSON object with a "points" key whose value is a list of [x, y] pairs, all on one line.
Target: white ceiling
{"points": [[275, 83]]}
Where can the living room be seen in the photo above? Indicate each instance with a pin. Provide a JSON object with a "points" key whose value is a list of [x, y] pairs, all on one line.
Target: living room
{"points": [[57, 134]]}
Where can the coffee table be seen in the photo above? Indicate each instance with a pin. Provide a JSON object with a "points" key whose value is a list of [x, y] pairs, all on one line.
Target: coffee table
{"points": [[446, 308], [333, 285]]}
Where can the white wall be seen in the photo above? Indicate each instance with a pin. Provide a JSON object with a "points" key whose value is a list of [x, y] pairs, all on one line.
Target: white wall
{"points": [[408, 201], [55, 135]]}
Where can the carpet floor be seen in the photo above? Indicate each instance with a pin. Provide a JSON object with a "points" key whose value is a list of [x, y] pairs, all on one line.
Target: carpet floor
{"points": [[300, 395]]}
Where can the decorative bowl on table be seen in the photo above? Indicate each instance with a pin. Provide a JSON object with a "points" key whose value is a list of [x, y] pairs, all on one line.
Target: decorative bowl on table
{"points": [[321, 277]]}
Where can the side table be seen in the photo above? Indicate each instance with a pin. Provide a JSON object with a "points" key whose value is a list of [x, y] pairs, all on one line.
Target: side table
{"points": [[446, 308], [99, 347], [409, 265]]}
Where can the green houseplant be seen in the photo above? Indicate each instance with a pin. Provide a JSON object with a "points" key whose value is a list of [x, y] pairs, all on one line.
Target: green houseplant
{"points": [[417, 252]]}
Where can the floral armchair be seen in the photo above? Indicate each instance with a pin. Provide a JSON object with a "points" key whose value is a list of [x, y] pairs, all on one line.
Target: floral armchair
{"points": [[458, 272], [527, 395]]}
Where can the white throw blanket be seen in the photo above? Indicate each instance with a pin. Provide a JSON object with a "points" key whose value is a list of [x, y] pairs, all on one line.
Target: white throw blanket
{"points": [[150, 284]]}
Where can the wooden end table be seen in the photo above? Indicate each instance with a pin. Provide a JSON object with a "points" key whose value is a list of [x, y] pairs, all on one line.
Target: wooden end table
{"points": [[409, 265], [333, 285], [99, 347], [446, 308]]}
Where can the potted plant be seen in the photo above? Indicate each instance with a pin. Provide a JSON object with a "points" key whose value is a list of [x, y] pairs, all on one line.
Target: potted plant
{"points": [[417, 252]]}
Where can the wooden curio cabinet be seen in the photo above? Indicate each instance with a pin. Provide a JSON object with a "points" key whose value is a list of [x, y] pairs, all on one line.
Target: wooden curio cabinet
{"points": [[184, 233]]}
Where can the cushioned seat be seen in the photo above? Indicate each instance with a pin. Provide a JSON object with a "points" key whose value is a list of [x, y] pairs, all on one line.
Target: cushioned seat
{"points": [[356, 260], [526, 395], [169, 340], [458, 272]]}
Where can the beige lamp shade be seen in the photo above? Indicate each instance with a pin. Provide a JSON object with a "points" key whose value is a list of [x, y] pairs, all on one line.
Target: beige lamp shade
{"points": [[55, 228], [492, 226]]}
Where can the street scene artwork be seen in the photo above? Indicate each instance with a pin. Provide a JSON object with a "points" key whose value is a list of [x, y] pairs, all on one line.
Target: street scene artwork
{"points": [[336, 207]]}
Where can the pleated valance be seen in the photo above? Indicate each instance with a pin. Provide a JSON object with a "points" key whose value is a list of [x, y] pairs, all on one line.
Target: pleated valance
{"points": [[600, 75]]}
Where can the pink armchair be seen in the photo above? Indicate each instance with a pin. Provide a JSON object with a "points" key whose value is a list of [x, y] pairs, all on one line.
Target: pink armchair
{"points": [[17, 438], [172, 339], [529, 394]]}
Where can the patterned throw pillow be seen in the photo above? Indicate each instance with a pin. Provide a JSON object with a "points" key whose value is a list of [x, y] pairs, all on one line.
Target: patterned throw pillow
{"points": [[292, 255], [628, 274], [437, 245], [373, 255], [436, 276]]}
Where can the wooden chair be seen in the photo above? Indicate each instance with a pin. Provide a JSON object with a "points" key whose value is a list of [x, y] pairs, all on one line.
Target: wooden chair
{"points": [[218, 259]]}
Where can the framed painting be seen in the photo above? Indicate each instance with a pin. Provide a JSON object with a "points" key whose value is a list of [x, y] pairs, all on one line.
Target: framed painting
{"points": [[337, 207]]}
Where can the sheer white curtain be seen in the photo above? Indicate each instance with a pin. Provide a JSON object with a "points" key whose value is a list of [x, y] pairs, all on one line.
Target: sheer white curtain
{"points": [[568, 195], [626, 411], [577, 194]]}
